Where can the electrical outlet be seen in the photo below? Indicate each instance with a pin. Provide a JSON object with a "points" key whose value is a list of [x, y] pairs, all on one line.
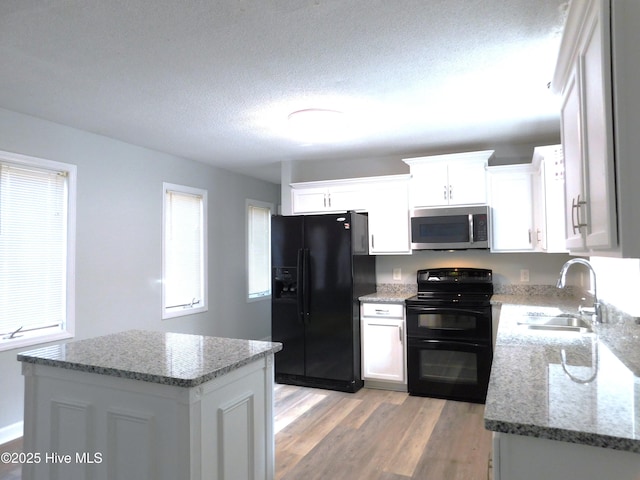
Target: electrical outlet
{"points": [[524, 275], [397, 274]]}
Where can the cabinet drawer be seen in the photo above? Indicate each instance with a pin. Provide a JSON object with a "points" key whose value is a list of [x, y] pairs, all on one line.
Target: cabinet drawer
{"points": [[387, 310]]}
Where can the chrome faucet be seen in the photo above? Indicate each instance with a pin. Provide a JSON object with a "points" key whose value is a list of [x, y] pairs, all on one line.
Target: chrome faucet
{"points": [[595, 310]]}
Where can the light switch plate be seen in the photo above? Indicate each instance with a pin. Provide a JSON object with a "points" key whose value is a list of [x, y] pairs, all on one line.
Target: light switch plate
{"points": [[397, 274], [524, 275]]}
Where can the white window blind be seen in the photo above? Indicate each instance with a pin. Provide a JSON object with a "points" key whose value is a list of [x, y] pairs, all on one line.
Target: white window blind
{"points": [[259, 249], [184, 285], [34, 229]]}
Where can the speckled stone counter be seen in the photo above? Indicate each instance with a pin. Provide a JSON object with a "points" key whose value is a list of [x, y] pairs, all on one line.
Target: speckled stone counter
{"points": [[391, 293], [168, 358], [591, 400]]}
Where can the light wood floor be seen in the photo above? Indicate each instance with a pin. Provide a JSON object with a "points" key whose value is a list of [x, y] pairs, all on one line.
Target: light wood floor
{"points": [[377, 434], [369, 435]]}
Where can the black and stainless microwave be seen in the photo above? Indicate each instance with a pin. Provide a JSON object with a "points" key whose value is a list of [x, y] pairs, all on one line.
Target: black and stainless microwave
{"points": [[450, 228]]}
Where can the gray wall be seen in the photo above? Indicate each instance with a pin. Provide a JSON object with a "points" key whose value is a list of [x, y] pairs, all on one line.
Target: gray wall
{"points": [[118, 253]]}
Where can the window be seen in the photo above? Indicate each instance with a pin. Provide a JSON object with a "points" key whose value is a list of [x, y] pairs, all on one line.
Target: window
{"points": [[37, 250], [184, 251], [258, 249]]}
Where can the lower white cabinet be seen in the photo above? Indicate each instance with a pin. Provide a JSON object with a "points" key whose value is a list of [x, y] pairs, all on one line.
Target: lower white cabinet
{"points": [[92, 426], [528, 458], [384, 345]]}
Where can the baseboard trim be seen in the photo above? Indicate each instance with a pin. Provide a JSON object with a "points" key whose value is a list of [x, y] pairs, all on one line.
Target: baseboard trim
{"points": [[11, 432]]}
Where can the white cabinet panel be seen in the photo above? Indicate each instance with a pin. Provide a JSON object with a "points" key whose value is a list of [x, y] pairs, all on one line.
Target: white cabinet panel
{"points": [[327, 197], [452, 179], [389, 217], [306, 200], [124, 428], [529, 458], [384, 345], [548, 199], [511, 200], [584, 76]]}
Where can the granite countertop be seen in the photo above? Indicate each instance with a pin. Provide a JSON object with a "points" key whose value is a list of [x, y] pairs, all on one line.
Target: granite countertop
{"points": [[167, 358], [390, 293], [385, 297], [591, 400]]}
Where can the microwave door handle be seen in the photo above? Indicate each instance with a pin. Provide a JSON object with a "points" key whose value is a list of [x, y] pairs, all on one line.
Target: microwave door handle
{"points": [[471, 239]]}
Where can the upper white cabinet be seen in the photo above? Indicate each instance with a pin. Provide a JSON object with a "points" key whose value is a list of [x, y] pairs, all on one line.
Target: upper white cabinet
{"points": [[454, 179], [598, 74], [512, 211], [527, 201], [388, 209], [385, 198], [327, 196], [548, 199]]}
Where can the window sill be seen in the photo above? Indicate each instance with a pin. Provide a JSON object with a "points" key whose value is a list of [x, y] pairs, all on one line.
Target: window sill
{"points": [[259, 298], [27, 341], [183, 312]]}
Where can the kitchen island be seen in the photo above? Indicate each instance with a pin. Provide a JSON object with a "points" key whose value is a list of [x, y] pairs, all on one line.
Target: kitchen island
{"points": [[574, 418], [149, 405]]}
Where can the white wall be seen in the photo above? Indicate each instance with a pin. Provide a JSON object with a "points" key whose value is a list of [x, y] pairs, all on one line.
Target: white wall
{"points": [[618, 282], [118, 256], [376, 165]]}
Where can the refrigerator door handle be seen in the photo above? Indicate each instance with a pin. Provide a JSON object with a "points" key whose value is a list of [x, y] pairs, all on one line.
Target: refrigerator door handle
{"points": [[306, 291], [301, 285]]}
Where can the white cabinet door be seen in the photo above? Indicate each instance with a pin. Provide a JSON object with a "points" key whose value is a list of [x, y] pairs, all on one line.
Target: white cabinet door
{"points": [[327, 198], [383, 342], [467, 183], [529, 458], [452, 179], [587, 134], [430, 186], [548, 199], [345, 198], [389, 218], [309, 200], [597, 135], [573, 187], [511, 200]]}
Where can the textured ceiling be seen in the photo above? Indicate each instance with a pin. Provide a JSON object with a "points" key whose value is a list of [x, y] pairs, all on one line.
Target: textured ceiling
{"points": [[214, 80]]}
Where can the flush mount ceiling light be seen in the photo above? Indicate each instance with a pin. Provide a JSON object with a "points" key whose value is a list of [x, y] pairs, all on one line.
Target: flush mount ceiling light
{"points": [[316, 125]]}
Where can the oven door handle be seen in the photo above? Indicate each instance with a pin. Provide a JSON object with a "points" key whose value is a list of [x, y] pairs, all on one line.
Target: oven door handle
{"points": [[444, 343], [416, 309]]}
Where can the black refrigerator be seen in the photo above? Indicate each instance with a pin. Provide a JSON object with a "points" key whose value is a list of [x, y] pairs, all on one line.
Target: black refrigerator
{"points": [[320, 267]]}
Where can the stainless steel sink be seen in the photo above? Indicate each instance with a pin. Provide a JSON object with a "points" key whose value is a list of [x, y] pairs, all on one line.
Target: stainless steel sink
{"points": [[559, 323]]}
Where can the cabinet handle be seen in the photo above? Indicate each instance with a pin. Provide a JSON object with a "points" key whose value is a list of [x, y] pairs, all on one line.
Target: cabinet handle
{"points": [[450, 192], [373, 241], [444, 193], [529, 236], [329, 196], [576, 224], [325, 200], [400, 336]]}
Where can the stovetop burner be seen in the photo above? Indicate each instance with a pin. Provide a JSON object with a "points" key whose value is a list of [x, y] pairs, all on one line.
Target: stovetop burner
{"points": [[441, 286]]}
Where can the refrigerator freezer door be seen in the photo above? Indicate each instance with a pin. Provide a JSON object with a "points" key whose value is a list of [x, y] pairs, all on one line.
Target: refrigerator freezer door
{"points": [[287, 325]]}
